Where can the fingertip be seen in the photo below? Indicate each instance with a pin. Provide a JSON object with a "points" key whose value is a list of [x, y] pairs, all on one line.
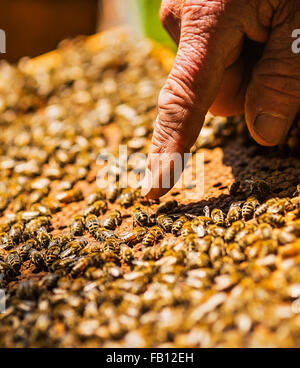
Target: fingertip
{"points": [[156, 193], [147, 183]]}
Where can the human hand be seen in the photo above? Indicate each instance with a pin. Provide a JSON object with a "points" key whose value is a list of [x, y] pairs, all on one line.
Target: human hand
{"points": [[234, 56]]}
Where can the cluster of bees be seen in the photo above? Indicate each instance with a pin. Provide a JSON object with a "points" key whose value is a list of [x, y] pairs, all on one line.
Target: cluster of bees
{"points": [[122, 271]]}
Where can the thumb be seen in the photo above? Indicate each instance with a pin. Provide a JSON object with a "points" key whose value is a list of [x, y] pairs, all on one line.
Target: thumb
{"points": [[187, 95], [273, 95]]}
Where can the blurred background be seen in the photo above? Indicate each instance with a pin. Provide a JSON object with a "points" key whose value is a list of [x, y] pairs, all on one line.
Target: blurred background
{"points": [[34, 27]]}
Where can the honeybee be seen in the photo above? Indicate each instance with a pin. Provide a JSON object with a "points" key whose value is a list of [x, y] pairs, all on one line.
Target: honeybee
{"points": [[113, 193], [165, 222], [20, 203], [140, 216], [297, 192], [14, 261], [202, 220], [92, 223], [278, 207], [53, 204], [31, 230], [4, 202], [198, 260], [285, 236], [39, 224], [74, 195], [25, 249], [274, 219], [37, 258], [218, 217], [273, 200], [72, 248], [235, 252], [80, 266], [4, 228], [49, 281], [97, 208], [294, 228], [234, 188], [288, 204], [127, 254], [90, 248], [259, 188], [6, 242], [199, 229], [191, 243], [16, 232], [101, 234], [38, 195], [52, 254], [127, 197], [205, 243], [215, 230], [43, 238], [233, 230], [262, 249], [43, 210], [54, 172], [135, 236], [28, 290], [113, 220], [247, 236], [63, 239], [93, 273], [96, 196], [28, 216], [111, 245], [265, 231], [77, 226], [249, 207], [82, 242], [62, 266], [149, 254], [233, 214], [153, 235], [167, 207], [217, 249], [261, 209], [15, 189], [67, 182], [187, 228], [178, 224]]}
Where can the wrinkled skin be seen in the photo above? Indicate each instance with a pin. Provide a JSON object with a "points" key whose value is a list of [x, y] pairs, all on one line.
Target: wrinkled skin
{"points": [[234, 56]]}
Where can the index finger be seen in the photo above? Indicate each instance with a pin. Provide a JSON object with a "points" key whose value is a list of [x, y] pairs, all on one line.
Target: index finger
{"points": [[192, 86]]}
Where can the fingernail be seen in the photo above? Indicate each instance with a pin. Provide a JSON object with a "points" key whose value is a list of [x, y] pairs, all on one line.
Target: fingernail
{"points": [[271, 128], [146, 183]]}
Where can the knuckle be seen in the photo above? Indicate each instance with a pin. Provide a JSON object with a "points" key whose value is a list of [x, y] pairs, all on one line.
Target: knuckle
{"points": [[165, 136], [172, 106], [165, 15], [172, 115], [282, 76], [170, 12], [206, 12]]}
